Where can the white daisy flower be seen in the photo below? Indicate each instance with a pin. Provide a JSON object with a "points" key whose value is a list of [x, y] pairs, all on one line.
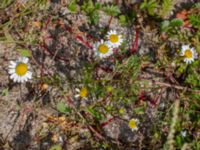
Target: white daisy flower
{"points": [[183, 133], [82, 93], [102, 49], [114, 39], [188, 53], [133, 124], [20, 70]]}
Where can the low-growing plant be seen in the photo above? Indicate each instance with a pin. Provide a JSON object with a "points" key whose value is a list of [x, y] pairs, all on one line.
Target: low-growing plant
{"points": [[166, 8], [149, 5], [195, 20], [171, 27], [145, 84]]}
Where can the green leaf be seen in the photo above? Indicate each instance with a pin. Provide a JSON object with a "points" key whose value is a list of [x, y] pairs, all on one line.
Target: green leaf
{"points": [[42, 4], [195, 20], [179, 141], [94, 18], [176, 23], [152, 6], [193, 79], [72, 6], [170, 26], [143, 5], [62, 108], [112, 10], [181, 69], [122, 19], [139, 110], [197, 5], [98, 5], [4, 92], [5, 3], [94, 113], [24, 52], [91, 10], [167, 6], [165, 25], [149, 6], [56, 147]]}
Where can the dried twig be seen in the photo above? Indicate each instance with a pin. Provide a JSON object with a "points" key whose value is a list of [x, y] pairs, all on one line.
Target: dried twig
{"points": [[178, 87]]}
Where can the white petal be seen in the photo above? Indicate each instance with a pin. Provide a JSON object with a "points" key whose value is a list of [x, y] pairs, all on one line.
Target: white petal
{"points": [[135, 129], [185, 47], [77, 90], [185, 60], [195, 55], [15, 78], [29, 75], [137, 120], [113, 32], [24, 79], [12, 76], [11, 71], [20, 59], [96, 45], [77, 96], [110, 32], [102, 41], [19, 79], [12, 63], [25, 60], [188, 61]]}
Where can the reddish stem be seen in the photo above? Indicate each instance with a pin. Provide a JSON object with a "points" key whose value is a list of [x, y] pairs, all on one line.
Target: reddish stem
{"points": [[45, 47], [86, 43], [80, 38], [90, 37], [68, 29], [144, 97], [47, 23], [135, 42], [110, 20], [107, 122]]}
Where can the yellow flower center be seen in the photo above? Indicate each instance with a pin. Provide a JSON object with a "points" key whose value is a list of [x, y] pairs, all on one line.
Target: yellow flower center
{"points": [[21, 69], [188, 53], [103, 48], [132, 124], [83, 92], [114, 38]]}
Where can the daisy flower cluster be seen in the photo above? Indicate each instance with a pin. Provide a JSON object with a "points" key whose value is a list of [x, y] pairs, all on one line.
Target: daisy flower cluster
{"points": [[103, 48], [20, 70]]}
